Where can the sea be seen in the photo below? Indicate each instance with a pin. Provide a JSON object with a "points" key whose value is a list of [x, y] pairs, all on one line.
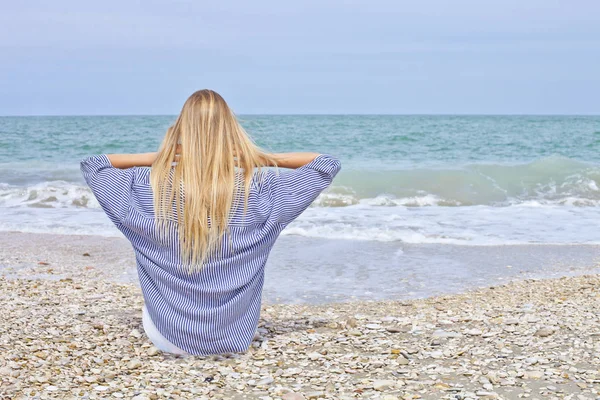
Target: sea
{"points": [[424, 204]]}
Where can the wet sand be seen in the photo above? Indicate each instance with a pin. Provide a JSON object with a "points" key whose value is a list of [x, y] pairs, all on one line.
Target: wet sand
{"points": [[317, 271]]}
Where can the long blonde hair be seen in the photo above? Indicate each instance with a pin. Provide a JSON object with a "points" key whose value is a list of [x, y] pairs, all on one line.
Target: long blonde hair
{"points": [[199, 191]]}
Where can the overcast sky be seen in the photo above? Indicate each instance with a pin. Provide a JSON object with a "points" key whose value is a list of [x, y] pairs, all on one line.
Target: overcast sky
{"points": [[72, 57]]}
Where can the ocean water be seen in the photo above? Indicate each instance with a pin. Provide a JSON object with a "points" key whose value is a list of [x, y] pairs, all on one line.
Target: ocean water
{"points": [[464, 180], [423, 205]]}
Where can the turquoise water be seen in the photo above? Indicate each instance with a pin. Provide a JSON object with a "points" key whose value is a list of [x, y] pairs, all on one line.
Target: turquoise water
{"points": [[465, 180], [364, 141]]}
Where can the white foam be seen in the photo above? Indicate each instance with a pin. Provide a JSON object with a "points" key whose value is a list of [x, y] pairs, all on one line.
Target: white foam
{"points": [[55, 194], [474, 225], [62, 207], [525, 223]]}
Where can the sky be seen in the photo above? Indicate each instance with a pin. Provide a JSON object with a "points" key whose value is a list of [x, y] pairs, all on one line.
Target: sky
{"points": [[68, 57]]}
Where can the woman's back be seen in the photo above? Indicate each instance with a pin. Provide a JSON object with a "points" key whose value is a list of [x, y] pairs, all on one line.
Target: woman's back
{"points": [[216, 308]]}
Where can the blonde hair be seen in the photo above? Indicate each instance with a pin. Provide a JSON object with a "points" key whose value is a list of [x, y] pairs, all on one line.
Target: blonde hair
{"points": [[201, 191]]}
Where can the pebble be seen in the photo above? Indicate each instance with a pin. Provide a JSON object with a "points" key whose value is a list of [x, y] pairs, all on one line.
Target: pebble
{"points": [[534, 374], [265, 381], [393, 329], [135, 333], [315, 395], [134, 364], [446, 334], [381, 385], [482, 393], [152, 351], [544, 332], [293, 396], [436, 354]]}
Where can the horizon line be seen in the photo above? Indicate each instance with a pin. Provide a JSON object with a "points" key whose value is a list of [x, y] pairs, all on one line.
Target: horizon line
{"points": [[320, 114]]}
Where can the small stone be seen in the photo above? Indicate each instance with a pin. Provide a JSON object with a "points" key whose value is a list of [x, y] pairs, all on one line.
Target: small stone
{"points": [[544, 332], [393, 329], [265, 381], [373, 326], [351, 322], [101, 388], [140, 397], [381, 385], [293, 396], [442, 386], [134, 364], [474, 332], [533, 375], [482, 393], [51, 388], [440, 333], [355, 332], [531, 360], [118, 395], [135, 333], [402, 361], [314, 395], [291, 372], [314, 356], [152, 351]]}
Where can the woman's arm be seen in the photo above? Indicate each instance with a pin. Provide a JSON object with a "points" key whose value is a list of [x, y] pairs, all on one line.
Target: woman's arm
{"points": [[293, 160], [124, 161], [293, 191]]}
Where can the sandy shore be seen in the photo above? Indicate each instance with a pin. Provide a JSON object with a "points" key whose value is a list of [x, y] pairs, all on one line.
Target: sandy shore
{"points": [[79, 335]]}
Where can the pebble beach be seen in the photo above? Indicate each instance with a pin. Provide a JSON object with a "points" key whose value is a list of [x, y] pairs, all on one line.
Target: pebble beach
{"points": [[70, 329]]}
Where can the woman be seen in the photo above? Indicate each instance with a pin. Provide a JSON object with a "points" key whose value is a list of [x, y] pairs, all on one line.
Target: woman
{"points": [[202, 221]]}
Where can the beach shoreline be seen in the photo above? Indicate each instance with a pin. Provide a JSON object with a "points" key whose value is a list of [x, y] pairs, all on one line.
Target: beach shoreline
{"points": [[319, 271], [77, 333]]}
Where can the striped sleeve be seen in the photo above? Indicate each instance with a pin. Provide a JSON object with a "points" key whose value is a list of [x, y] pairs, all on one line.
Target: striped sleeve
{"points": [[292, 192], [111, 186]]}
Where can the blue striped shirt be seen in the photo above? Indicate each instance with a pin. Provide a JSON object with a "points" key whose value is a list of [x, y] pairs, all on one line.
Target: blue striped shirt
{"points": [[215, 310]]}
